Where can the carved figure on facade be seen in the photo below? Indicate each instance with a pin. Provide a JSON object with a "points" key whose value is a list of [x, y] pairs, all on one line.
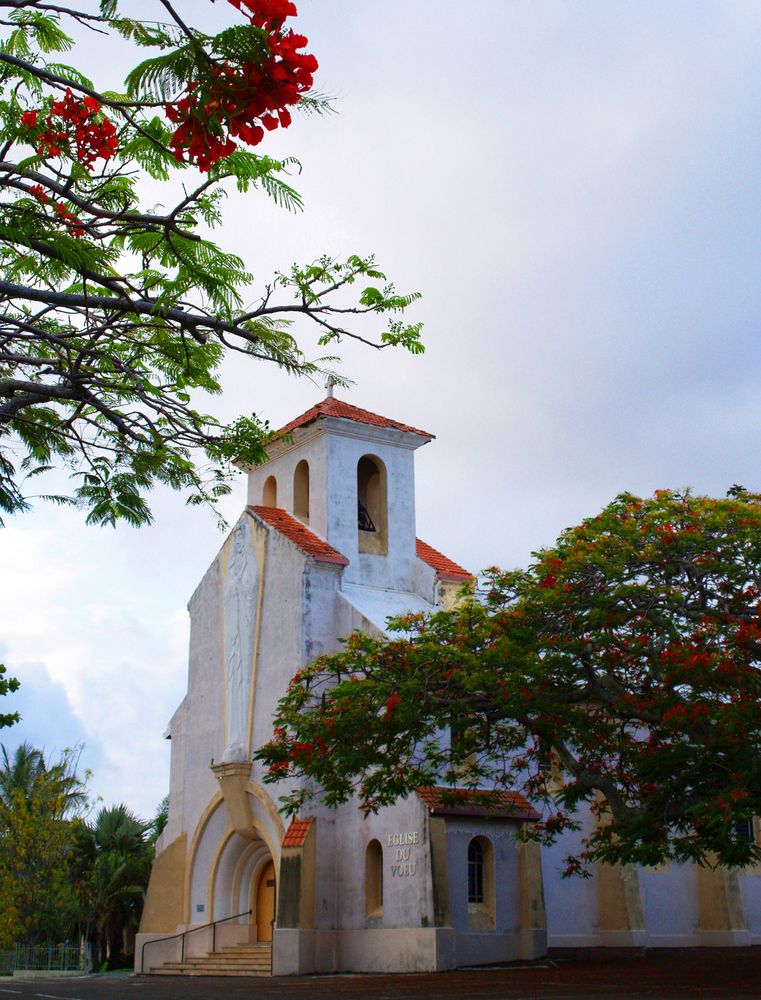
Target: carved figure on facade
{"points": [[240, 594]]}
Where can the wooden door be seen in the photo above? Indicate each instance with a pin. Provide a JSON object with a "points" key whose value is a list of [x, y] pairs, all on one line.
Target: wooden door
{"points": [[265, 903]]}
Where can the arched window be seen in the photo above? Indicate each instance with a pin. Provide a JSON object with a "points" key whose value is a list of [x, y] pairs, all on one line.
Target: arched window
{"points": [[269, 493], [301, 491], [372, 513], [475, 872], [374, 879], [480, 884]]}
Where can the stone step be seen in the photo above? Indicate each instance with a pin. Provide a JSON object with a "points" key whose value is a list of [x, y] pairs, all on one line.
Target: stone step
{"points": [[249, 959], [214, 969], [224, 960], [232, 962], [208, 971], [230, 965], [259, 952], [247, 946], [229, 957]]}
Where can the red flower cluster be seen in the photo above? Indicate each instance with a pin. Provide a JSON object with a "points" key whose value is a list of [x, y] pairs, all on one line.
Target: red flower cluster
{"points": [[391, 705], [39, 192], [269, 14], [303, 750], [71, 120], [241, 102], [75, 226]]}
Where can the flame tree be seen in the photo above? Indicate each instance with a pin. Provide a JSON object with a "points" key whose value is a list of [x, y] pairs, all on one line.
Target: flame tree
{"points": [[620, 670], [115, 316]]}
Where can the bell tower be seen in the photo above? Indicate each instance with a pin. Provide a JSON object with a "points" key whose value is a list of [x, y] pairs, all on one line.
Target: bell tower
{"points": [[348, 474]]}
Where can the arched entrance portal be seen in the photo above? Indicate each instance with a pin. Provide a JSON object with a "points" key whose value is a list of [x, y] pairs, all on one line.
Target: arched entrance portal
{"points": [[265, 902]]}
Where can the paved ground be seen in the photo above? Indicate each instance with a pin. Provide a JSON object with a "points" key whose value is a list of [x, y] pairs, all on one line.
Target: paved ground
{"points": [[652, 975]]}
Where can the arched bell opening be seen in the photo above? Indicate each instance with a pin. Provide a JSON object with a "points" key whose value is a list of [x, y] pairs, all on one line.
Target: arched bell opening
{"points": [[301, 491], [269, 493], [372, 506]]}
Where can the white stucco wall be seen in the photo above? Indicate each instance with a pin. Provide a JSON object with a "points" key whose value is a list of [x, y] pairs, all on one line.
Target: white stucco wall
{"points": [[202, 729], [281, 636], [346, 446], [670, 905], [570, 903], [176, 731], [501, 942], [310, 444], [407, 886], [201, 908], [750, 891]]}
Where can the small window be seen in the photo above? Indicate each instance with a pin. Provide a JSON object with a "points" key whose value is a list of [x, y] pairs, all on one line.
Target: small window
{"points": [[269, 493], [475, 872], [374, 879], [301, 491], [744, 830]]}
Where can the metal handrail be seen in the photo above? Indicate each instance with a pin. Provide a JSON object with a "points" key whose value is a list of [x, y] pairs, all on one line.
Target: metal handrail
{"points": [[184, 934]]}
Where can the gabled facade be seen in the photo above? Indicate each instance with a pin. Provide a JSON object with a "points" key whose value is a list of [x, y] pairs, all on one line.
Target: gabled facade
{"points": [[326, 545]]}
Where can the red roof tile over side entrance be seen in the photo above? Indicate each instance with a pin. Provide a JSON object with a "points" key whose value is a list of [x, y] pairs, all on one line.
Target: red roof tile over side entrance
{"points": [[300, 535], [476, 802], [332, 407], [296, 833]]}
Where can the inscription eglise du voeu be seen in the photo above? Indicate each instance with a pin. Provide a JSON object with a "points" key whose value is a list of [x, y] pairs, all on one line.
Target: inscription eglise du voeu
{"points": [[403, 843]]}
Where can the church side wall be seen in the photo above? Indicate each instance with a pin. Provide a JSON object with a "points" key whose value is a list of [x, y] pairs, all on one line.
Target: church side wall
{"points": [[571, 903], [402, 934], [321, 613], [750, 892], [494, 934], [176, 730], [398, 937], [669, 905], [423, 581], [407, 888], [670, 901]]}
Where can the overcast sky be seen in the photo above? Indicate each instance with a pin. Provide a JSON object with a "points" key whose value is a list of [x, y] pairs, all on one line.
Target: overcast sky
{"points": [[575, 188]]}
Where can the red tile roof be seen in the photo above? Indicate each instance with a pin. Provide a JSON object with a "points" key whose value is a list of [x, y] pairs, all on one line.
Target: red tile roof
{"points": [[296, 834], [332, 407], [300, 535], [445, 568], [477, 802]]}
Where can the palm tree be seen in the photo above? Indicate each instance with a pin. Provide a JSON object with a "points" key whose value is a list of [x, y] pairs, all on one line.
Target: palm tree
{"points": [[25, 773], [116, 858]]}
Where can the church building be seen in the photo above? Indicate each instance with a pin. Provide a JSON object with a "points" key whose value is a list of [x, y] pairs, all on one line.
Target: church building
{"points": [[326, 545]]}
